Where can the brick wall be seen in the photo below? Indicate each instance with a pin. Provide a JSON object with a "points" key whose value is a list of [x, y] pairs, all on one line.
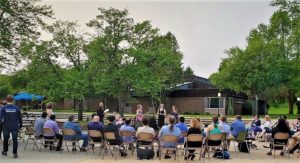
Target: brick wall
{"points": [[188, 104]]}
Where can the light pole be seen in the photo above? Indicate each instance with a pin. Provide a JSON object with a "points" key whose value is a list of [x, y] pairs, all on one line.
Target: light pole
{"points": [[219, 96], [298, 105]]}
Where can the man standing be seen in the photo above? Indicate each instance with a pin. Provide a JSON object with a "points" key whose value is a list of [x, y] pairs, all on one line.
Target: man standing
{"points": [[100, 112], [12, 122]]}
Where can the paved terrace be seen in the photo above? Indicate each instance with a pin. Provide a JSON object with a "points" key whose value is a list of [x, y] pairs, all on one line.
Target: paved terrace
{"points": [[45, 156]]}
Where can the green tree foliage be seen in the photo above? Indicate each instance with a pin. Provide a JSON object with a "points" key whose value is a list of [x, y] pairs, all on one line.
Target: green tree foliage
{"points": [[269, 65], [5, 86], [188, 71], [128, 57], [19, 22]]}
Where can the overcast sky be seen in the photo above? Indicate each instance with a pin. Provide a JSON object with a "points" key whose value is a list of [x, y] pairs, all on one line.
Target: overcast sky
{"points": [[204, 29]]}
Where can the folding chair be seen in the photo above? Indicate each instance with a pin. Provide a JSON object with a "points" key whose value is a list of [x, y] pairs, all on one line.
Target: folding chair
{"points": [[94, 134], [240, 139], [194, 138], [125, 144], [109, 137], [50, 140], [224, 141], [69, 136], [31, 137], [145, 139], [213, 141], [284, 140], [169, 139]]}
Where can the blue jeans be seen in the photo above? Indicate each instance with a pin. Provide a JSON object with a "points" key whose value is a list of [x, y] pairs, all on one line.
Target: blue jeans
{"points": [[85, 139], [6, 135]]}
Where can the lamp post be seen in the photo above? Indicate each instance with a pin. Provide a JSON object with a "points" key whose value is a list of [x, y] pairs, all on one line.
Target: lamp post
{"points": [[298, 105], [219, 96]]}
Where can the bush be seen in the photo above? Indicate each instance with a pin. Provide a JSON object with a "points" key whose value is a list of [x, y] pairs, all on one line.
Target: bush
{"points": [[247, 108], [207, 113]]}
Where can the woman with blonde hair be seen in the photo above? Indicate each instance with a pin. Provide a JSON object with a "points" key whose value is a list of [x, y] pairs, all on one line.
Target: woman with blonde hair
{"points": [[266, 126], [195, 128]]}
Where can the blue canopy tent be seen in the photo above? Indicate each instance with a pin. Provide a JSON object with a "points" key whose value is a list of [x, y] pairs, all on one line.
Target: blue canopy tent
{"points": [[23, 96]]}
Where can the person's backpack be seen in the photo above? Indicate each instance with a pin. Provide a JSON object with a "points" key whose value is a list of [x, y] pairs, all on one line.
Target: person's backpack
{"points": [[221, 154], [243, 147], [146, 153]]}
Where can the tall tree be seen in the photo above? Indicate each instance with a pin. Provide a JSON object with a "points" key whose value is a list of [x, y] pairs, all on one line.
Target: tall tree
{"points": [[128, 57], [270, 62], [19, 22]]}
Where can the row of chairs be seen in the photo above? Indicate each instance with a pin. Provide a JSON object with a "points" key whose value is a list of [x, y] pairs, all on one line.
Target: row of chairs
{"points": [[145, 137]]}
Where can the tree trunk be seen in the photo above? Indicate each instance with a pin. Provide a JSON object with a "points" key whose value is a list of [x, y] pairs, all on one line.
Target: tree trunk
{"points": [[121, 109], [291, 100], [80, 110]]}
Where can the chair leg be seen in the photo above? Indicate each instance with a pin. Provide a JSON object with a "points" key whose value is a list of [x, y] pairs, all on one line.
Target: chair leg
{"points": [[26, 143], [274, 152], [67, 146]]}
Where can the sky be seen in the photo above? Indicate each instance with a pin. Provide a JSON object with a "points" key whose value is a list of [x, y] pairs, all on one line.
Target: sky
{"points": [[204, 29]]}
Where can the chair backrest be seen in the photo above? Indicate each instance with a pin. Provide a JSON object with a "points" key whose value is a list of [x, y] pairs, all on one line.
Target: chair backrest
{"points": [[241, 136], [30, 130], [68, 132], [144, 136], [109, 135], [126, 133], [214, 137], [84, 127], [94, 133], [224, 136], [194, 138], [48, 131], [170, 138], [281, 136]]}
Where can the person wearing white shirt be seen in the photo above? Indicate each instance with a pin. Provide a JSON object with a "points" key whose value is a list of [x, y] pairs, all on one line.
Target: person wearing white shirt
{"points": [[266, 126]]}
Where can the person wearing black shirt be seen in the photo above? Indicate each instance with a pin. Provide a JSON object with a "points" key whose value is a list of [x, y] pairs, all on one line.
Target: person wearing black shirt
{"points": [[281, 127], [194, 129], [100, 112]]}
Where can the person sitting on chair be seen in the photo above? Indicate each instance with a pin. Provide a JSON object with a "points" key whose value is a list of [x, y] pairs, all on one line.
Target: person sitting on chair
{"points": [[52, 124], [281, 127], [183, 128], [39, 125], [79, 135], [171, 129], [194, 129]]}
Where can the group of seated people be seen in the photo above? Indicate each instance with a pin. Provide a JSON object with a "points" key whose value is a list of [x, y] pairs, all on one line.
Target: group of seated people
{"points": [[281, 126], [117, 125]]}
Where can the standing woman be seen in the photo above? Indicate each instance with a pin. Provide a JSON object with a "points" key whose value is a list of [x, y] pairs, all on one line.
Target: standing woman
{"points": [[139, 113], [161, 115], [174, 113], [100, 112]]}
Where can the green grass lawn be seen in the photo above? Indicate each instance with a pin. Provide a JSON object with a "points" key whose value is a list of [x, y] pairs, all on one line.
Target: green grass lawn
{"points": [[274, 112]]}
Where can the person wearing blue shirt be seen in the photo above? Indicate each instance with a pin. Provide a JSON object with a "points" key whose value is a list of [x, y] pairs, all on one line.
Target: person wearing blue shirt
{"points": [[171, 129], [237, 126], [95, 124], [223, 126], [183, 128], [71, 125], [127, 127], [39, 125], [12, 121]]}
